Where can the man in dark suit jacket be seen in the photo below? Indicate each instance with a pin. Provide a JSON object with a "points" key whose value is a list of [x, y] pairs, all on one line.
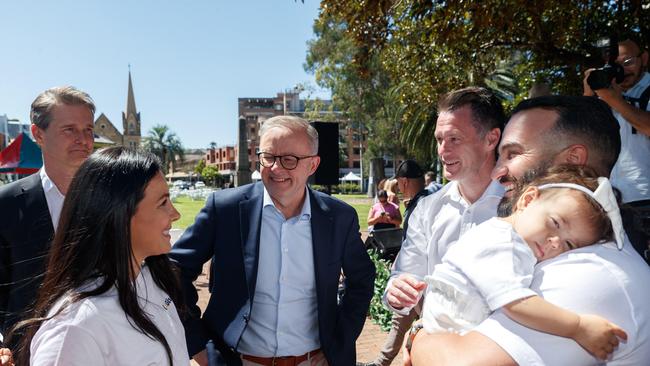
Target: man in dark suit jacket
{"points": [[277, 251], [62, 124]]}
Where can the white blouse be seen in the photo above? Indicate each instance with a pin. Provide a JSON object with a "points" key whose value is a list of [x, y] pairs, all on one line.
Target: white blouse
{"points": [[96, 331]]}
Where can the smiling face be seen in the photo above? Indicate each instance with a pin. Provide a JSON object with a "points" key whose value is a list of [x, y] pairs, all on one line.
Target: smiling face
{"points": [[464, 153], [287, 187], [522, 147], [68, 139], [152, 220], [552, 221]]}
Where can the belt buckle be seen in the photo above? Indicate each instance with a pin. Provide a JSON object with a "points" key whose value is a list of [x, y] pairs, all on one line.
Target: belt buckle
{"points": [[276, 361]]}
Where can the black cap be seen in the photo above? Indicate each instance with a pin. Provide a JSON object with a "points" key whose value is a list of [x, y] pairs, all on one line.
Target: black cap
{"points": [[409, 169]]}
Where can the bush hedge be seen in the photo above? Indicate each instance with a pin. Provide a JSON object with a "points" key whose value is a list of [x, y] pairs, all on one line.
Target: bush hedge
{"points": [[379, 314]]}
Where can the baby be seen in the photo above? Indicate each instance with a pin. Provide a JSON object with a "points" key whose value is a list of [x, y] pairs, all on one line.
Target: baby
{"points": [[491, 266]]}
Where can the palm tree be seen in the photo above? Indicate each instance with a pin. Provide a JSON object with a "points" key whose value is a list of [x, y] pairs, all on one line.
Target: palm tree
{"points": [[164, 144]]}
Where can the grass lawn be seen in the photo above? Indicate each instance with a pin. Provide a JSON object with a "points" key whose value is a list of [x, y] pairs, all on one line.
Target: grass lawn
{"points": [[189, 209], [361, 204]]}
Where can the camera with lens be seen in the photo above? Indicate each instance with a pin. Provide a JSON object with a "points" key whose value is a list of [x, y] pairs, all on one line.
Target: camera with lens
{"points": [[601, 78]]}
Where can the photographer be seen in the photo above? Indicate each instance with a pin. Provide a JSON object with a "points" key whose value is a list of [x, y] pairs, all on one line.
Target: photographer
{"points": [[628, 94]]}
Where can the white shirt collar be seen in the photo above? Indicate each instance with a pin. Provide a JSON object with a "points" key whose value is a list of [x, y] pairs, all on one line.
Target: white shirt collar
{"points": [[53, 196], [494, 189], [48, 184], [305, 212]]}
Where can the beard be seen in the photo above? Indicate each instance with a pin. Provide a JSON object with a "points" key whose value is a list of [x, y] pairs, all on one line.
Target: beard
{"points": [[504, 208]]}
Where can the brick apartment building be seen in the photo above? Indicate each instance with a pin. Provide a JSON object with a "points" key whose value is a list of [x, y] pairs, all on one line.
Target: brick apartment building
{"points": [[352, 137]]}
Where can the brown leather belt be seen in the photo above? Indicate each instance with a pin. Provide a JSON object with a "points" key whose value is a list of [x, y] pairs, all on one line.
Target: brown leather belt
{"points": [[281, 361]]}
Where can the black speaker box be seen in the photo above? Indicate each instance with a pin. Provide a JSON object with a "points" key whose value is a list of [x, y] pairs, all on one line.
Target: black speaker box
{"points": [[328, 150]]}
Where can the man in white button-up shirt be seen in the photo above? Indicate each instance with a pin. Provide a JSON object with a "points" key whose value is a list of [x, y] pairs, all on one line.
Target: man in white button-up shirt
{"points": [[467, 132], [62, 124]]}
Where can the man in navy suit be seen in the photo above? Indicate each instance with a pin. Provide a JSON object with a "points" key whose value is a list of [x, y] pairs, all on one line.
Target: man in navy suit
{"points": [[62, 124], [278, 249]]}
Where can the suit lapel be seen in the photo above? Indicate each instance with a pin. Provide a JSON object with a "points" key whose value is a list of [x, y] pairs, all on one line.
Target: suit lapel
{"points": [[35, 211], [250, 217], [322, 231]]}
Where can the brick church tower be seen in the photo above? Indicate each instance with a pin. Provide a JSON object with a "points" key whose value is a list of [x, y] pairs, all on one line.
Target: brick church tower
{"points": [[131, 120]]}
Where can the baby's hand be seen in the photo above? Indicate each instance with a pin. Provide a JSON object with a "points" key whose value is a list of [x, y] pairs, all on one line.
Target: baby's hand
{"points": [[598, 335], [5, 357]]}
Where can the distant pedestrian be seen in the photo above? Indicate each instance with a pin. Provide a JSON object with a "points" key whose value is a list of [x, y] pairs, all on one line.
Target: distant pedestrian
{"points": [[430, 182], [384, 214], [392, 190]]}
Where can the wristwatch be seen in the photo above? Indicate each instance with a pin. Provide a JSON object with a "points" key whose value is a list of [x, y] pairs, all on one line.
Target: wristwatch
{"points": [[415, 328]]}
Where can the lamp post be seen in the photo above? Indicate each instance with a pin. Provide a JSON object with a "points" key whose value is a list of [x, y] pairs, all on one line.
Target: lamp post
{"points": [[361, 155]]}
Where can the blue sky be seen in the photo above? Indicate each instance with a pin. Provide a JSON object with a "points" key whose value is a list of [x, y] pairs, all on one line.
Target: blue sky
{"points": [[190, 60]]}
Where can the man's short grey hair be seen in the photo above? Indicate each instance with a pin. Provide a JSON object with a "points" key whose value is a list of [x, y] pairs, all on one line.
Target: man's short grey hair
{"points": [[41, 112], [295, 124]]}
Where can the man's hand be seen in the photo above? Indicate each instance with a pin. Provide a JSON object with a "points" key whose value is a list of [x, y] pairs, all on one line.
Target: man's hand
{"points": [[405, 291], [6, 358], [201, 358], [611, 95], [587, 91]]}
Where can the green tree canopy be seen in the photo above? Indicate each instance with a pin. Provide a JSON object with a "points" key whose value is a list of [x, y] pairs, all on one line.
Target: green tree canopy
{"points": [[210, 174], [426, 48], [360, 91], [198, 168], [164, 144]]}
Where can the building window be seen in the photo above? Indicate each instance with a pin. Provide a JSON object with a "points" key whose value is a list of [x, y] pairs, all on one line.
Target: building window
{"points": [[356, 164], [356, 151]]}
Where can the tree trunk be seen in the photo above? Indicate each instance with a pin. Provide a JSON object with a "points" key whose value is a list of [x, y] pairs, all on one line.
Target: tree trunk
{"points": [[376, 174]]}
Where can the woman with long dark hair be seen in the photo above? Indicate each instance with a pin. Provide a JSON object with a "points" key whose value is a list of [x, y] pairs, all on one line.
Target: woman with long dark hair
{"points": [[109, 292]]}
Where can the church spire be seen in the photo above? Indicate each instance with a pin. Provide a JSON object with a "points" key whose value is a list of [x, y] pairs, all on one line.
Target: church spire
{"points": [[131, 119], [130, 101]]}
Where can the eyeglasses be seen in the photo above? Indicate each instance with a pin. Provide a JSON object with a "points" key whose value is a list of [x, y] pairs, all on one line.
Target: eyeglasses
{"points": [[288, 162], [629, 61]]}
